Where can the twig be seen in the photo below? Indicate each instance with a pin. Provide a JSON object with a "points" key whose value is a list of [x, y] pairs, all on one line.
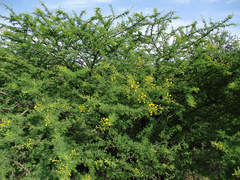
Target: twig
{"points": [[171, 116], [21, 166], [11, 107], [13, 98], [24, 112]]}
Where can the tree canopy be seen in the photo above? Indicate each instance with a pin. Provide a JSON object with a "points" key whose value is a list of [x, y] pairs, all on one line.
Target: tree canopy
{"points": [[117, 97]]}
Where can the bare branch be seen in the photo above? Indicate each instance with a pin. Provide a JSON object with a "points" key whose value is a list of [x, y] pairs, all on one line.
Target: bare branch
{"points": [[13, 98], [27, 171], [24, 112], [7, 109], [171, 116]]}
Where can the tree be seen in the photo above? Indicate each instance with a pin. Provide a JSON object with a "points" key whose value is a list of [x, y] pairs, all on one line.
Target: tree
{"points": [[77, 101]]}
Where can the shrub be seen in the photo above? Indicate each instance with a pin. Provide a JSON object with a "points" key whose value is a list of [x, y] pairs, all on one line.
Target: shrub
{"points": [[95, 99]]}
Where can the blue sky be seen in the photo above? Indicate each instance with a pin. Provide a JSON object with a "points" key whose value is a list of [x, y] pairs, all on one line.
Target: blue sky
{"points": [[188, 10]]}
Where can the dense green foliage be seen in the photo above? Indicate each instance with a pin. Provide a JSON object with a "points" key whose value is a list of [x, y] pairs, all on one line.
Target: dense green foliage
{"points": [[113, 98]]}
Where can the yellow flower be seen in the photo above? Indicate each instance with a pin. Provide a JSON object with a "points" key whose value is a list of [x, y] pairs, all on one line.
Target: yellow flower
{"points": [[8, 121]]}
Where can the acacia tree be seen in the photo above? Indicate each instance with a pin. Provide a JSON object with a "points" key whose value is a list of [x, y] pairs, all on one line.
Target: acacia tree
{"points": [[78, 101]]}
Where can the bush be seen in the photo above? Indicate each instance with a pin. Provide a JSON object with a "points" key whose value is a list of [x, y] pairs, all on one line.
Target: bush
{"points": [[104, 99]]}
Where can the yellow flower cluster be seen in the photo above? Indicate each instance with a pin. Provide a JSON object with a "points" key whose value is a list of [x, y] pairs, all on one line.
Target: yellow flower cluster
{"points": [[28, 144], [5, 130], [86, 177], [81, 108], [104, 123], [142, 98], [149, 79], [153, 86], [219, 146], [169, 82], [134, 86], [48, 120], [36, 106], [63, 169], [137, 171], [153, 109], [5, 122], [73, 153], [139, 63], [168, 96], [59, 67], [113, 78]]}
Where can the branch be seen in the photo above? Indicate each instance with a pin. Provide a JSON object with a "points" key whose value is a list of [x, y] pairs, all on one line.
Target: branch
{"points": [[21, 166], [24, 112], [13, 98], [171, 116], [11, 107]]}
